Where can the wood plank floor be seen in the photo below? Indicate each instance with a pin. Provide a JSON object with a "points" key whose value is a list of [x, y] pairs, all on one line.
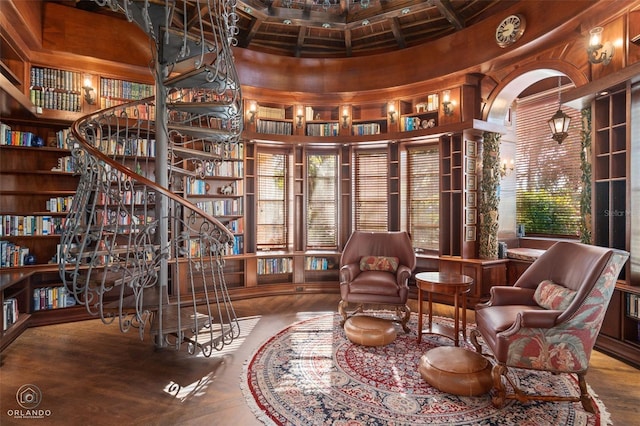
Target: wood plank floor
{"points": [[90, 373]]}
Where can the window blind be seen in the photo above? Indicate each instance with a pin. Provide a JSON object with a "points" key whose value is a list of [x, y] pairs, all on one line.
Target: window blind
{"points": [[548, 174], [371, 189], [322, 200], [271, 215], [423, 164]]}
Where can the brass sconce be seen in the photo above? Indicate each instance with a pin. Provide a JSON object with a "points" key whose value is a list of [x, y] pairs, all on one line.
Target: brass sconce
{"points": [[299, 117], [253, 107], [597, 51], [447, 103], [391, 109], [345, 117], [88, 90], [506, 168]]}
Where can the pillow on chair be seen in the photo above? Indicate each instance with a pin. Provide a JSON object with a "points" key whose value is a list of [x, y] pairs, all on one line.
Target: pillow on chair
{"points": [[550, 295], [379, 263]]}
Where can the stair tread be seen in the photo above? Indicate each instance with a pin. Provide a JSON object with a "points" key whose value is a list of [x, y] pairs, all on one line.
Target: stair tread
{"points": [[202, 132], [195, 153], [197, 78], [207, 108]]}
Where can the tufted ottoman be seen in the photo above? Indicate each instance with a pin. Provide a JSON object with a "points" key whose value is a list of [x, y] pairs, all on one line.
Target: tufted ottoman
{"points": [[369, 331], [456, 370]]}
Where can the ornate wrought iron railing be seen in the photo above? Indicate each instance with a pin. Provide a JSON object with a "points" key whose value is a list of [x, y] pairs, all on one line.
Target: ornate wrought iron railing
{"points": [[133, 248]]}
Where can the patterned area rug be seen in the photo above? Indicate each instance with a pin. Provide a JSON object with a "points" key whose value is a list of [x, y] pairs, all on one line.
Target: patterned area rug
{"points": [[311, 374]]}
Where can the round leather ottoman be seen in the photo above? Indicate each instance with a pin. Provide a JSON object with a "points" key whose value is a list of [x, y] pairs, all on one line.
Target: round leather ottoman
{"points": [[456, 370], [370, 331]]}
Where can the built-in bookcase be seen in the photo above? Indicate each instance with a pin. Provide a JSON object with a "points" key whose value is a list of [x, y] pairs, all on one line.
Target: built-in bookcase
{"points": [[611, 203]]}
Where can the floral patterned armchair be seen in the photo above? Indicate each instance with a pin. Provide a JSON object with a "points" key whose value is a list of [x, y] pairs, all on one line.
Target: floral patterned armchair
{"points": [[374, 270], [550, 318]]}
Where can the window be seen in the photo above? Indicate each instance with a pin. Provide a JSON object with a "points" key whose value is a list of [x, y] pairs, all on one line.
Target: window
{"points": [[322, 201], [548, 174], [370, 190], [423, 196], [272, 211]]}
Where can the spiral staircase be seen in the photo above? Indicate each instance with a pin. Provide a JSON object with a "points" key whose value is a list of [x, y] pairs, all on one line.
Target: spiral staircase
{"points": [[134, 250]]}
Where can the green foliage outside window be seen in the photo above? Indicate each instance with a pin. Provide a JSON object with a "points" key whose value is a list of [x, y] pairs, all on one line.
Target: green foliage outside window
{"points": [[544, 212]]}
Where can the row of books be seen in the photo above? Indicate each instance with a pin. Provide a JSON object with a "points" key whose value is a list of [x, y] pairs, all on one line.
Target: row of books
{"points": [[17, 137], [110, 87], [46, 298], [56, 79], [237, 248], [319, 264], [236, 226], [61, 101], [65, 164], [232, 207], [59, 204], [127, 197], [274, 127], [235, 151], [633, 306], [10, 312], [323, 129], [30, 225], [196, 249], [138, 112], [271, 112], [365, 129], [64, 140], [225, 169], [276, 265], [12, 254], [138, 147]]}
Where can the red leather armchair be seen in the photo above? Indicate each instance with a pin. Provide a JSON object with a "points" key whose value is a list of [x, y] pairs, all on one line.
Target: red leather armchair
{"points": [[374, 270], [550, 318]]}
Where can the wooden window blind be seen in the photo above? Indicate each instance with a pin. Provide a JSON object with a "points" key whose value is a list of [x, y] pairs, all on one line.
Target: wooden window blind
{"points": [[271, 215], [548, 174], [371, 190], [322, 200], [423, 196]]}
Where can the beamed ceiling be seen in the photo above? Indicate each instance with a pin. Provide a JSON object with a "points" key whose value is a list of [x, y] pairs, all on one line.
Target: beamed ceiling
{"points": [[340, 28]]}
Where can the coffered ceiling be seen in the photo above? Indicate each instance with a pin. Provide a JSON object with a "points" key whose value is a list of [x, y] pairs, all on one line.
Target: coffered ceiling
{"points": [[340, 28]]}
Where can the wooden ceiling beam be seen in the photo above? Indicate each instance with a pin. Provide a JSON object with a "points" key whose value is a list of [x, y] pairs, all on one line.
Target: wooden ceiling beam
{"points": [[397, 32], [446, 9], [301, 32]]}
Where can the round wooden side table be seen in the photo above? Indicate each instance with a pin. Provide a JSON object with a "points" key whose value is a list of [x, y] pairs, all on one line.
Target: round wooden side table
{"points": [[449, 284]]}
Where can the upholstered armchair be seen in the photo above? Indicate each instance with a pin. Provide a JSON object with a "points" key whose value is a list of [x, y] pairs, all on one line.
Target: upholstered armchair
{"points": [[550, 318], [374, 270]]}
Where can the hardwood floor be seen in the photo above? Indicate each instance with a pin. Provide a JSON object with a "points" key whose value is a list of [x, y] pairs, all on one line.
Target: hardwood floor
{"points": [[90, 373]]}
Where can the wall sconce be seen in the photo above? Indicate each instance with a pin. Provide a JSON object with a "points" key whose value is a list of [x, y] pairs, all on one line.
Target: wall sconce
{"points": [[299, 117], [447, 103], [506, 168], [88, 96], [391, 108], [345, 117], [253, 108], [597, 51]]}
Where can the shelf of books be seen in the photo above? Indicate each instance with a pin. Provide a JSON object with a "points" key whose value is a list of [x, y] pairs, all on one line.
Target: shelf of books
{"points": [[114, 92], [421, 113], [274, 119], [369, 119], [322, 121], [274, 269], [319, 268], [56, 89], [37, 185]]}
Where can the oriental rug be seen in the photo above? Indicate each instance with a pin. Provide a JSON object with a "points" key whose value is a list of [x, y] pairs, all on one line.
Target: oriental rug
{"points": [[311, 374]]}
